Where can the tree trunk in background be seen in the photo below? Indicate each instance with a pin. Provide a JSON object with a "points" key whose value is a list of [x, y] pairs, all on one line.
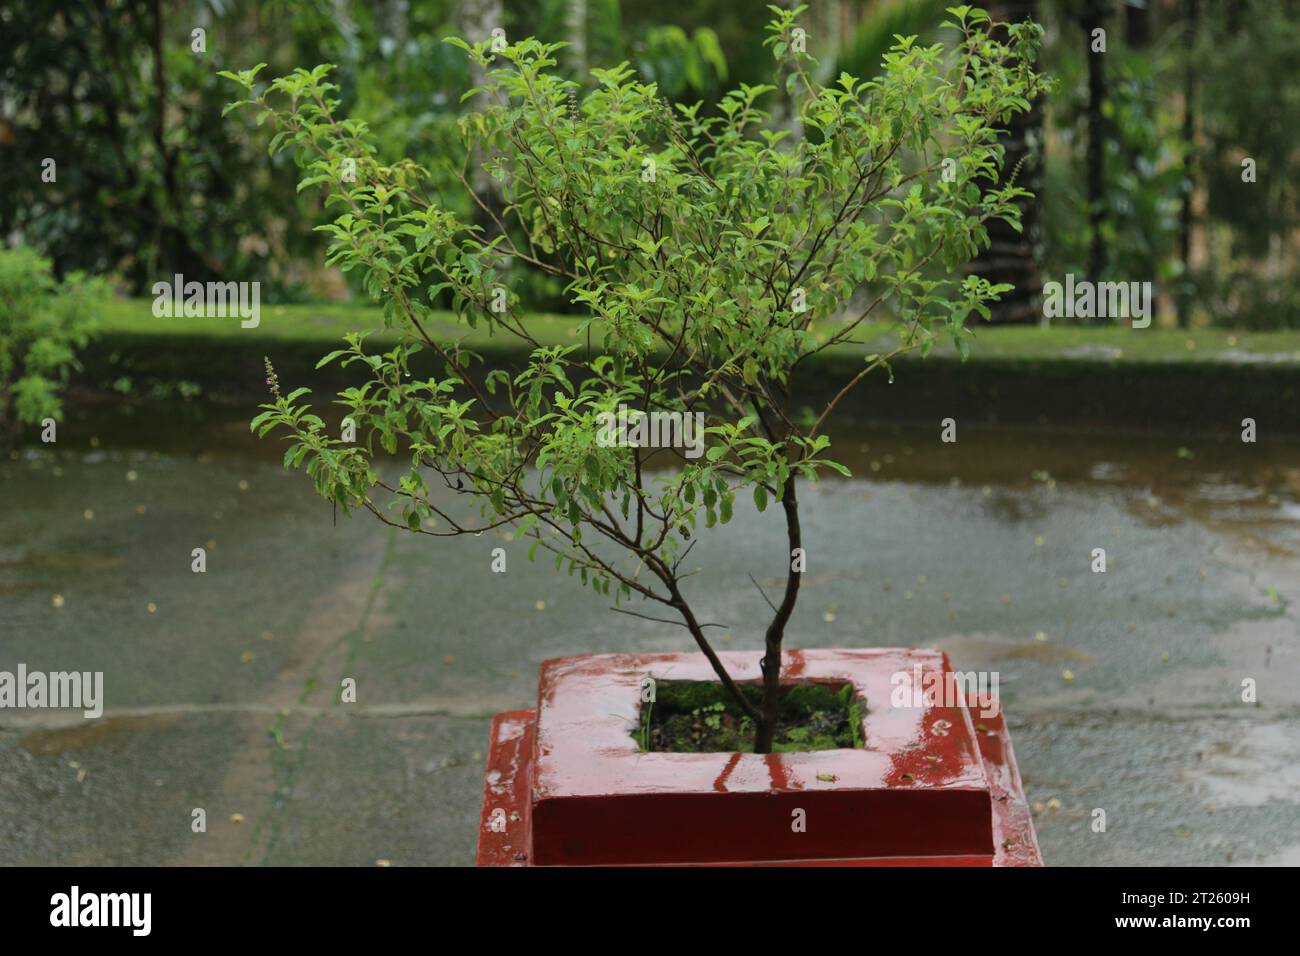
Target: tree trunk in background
{"points": [[576, 35], [1013, 256], [1093, 17], [1137, 24], [828, 21], [391, 18], [1192, 16], [478, 18], [172, 237]]}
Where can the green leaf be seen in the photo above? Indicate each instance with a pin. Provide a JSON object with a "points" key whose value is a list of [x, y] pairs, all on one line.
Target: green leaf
{"points": [[963, 346], [331, 357]]}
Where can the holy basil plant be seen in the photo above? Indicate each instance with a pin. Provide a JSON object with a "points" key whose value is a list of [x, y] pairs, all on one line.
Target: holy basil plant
{"points": [[709, 253]]}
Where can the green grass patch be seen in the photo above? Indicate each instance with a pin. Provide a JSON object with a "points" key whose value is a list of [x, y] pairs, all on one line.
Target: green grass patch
{"points": [[324, 326]]}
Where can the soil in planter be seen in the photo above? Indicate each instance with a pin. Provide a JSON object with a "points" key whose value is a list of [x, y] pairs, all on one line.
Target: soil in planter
{"points": [[701, 717]]}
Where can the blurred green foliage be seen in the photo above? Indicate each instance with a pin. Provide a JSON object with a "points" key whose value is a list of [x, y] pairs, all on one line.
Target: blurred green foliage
{"points": [[1142, 160], [149, 181], [1250, 110], [42, 324]]}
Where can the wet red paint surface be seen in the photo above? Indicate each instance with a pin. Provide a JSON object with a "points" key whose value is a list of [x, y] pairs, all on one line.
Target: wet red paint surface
{"points": [[567, 785]]}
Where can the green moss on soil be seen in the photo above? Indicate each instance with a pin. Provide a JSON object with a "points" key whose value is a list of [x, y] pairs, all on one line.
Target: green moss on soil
{"points": [[701, 717]]}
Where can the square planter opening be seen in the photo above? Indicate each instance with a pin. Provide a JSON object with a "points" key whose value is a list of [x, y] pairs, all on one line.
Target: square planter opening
{"points": [[681, 716]]}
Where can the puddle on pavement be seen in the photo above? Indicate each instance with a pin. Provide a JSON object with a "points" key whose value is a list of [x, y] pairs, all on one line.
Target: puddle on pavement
{"points": [[1251, 491], [1255, 766]]}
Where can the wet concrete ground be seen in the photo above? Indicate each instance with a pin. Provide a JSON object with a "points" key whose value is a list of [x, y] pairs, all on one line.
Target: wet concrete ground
{"points": [[222, 688]]}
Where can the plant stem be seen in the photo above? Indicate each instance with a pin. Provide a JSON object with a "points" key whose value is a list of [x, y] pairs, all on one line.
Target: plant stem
{"points": [[766, 725], [697, 632]]}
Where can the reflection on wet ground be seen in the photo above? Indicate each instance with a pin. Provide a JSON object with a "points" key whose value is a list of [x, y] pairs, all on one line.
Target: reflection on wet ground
{"points": [[1123, 690]]}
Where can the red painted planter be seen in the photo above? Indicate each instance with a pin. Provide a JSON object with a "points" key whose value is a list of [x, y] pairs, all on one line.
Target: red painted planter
{"points": [[566, 784]]}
